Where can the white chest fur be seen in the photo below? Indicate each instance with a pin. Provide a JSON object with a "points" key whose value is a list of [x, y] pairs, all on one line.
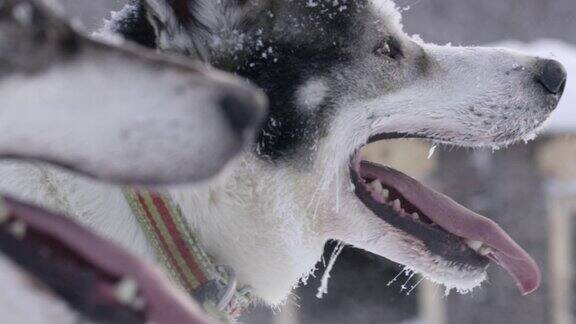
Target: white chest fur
{"points": [[237, 219]]}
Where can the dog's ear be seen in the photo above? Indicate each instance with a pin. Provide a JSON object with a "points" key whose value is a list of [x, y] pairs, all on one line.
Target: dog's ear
{"points": [[169, 14], [176, 26]]}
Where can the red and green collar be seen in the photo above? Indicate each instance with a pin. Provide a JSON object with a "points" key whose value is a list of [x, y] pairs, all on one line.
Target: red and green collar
{"points": [[182, 256]]}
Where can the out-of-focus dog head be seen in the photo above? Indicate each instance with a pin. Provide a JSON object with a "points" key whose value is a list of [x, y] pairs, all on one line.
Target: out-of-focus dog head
{"points": [[112, 110]]}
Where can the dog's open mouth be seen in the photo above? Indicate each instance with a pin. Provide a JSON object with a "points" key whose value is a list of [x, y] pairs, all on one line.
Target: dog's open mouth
{"points": [[447, 229], [97, 279]]}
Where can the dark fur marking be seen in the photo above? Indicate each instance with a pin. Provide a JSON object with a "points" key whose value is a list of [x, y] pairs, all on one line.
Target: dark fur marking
{"points": [[186, 12], [136, 27], [289, 128], [423, 63]]}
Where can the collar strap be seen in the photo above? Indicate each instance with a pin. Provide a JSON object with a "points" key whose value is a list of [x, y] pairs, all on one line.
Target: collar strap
{"points": [[182, 256]]}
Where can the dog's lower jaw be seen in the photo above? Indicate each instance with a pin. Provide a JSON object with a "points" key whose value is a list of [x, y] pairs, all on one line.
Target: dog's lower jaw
{"points": [[358, 227], [415, 259]]}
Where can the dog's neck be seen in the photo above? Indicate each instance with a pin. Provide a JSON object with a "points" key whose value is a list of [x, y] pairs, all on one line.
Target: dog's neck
{"points": [[241, 222], [249, 218]]}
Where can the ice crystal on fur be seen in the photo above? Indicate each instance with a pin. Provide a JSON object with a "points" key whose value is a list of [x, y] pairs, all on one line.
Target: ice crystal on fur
{"points": [[323, 289]]}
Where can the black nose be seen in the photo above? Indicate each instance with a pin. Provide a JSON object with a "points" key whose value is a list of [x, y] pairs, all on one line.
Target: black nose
{"points": [[552, 75], [244, 109]]}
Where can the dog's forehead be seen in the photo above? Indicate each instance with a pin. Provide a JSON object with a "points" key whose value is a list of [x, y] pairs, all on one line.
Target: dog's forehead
{"points": [[387, 16], [388, 11], [371, 18], [327, 21]]}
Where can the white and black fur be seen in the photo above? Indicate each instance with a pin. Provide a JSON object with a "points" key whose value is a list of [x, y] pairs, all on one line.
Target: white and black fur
{"points": [[337, 73]]}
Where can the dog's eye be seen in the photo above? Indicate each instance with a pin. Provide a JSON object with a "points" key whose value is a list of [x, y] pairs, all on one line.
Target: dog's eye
{"points": [[388, 47]]}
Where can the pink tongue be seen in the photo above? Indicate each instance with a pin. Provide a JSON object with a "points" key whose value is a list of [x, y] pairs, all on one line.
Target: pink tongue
{"points": [[462, 222]]}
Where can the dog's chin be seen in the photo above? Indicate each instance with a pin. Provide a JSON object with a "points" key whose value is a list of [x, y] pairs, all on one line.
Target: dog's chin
{"points": [[415, 257], [431, 234]]}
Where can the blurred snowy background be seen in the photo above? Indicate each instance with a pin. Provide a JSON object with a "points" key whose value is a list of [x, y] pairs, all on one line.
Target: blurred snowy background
{"points": [[528, 189]]}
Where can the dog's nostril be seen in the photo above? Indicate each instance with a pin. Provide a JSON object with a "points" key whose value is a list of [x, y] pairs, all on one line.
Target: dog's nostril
{"points": [[243, 110], [552, 75]]}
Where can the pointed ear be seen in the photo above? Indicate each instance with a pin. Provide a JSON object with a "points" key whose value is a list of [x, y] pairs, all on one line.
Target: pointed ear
{"points": [[170, 15], [174, 22], [151, 23]]}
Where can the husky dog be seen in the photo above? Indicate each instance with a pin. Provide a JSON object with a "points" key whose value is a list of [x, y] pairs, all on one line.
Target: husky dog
{"points": [[338, 74]]}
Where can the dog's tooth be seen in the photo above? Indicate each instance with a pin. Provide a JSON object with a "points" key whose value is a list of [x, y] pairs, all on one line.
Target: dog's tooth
{"points": [[396, 205], [485, 250], [474, 245], [18, 229], [385, 194], [4, 214], [415, 216], [126, 291], [376, 186]]}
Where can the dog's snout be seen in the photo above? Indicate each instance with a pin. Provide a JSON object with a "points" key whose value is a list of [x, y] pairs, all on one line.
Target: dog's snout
{"points": [[552, 75], [244, 109]]}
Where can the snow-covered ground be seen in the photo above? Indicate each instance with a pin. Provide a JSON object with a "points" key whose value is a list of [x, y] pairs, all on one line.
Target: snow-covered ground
{"points": [[564, 118]]}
